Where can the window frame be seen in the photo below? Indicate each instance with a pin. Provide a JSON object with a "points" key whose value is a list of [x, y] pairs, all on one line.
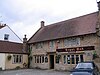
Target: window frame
{"points": [[17, 59], [64, 58], [68, 59]]}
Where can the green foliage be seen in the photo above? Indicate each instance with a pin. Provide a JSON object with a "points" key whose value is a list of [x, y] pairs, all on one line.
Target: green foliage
{"points": [[9, 57], [30, 57], [17, 67], [30, 49], [95, 55]]}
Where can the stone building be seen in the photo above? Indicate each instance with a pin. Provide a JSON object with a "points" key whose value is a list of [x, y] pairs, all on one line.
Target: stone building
{"points": [[62, 45]]}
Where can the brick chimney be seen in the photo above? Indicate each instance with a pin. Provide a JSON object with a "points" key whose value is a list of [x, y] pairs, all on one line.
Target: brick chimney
{"points": [[25, 44], [98, 22], [42, 24], [98, 5]]}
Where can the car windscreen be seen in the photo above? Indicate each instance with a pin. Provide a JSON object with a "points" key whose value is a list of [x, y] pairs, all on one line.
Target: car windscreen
{"points": [[84, 66]]}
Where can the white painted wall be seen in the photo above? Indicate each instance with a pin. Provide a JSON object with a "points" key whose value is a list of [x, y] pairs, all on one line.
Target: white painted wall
{"points": [[12, 36], [2, 61]]}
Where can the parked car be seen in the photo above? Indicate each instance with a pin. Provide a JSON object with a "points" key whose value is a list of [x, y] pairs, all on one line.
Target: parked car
{"points": [[85, 68]]}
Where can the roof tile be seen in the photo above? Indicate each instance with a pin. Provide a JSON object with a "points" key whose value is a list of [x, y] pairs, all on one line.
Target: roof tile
{"points": [[73, 27], [11, 47]]}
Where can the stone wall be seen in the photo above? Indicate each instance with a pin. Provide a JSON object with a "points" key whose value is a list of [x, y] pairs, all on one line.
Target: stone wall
{"points": [[85, 40]]}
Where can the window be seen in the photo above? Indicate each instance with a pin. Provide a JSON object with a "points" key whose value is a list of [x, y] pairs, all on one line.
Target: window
{"points": [[81, 58], [42, 59], [20, 58], [39, 45], [17, 58], [6, 36], [64, 59], [46, 59], [68, 59], [72, 41], [58, 43], [51, 44], [74, 59], [35, 59], [58, 58], [77, 59], [72, 56], [84, 65]]}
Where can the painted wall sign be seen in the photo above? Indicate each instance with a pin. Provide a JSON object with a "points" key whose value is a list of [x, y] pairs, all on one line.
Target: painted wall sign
{"points": [[85, 48]]}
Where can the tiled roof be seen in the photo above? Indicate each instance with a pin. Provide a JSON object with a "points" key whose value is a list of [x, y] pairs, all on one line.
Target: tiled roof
{"points": [[73, 27], [11, 47]]}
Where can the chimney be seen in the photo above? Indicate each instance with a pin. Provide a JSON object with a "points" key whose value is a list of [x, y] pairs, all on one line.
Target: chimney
{"points": [[98, 22], [2, 25], [42, 24], [98, 5], [6, 37], [25, 43], [24, 39]]}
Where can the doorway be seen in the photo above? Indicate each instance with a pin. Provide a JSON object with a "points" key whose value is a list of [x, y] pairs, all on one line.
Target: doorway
{"points": [[51, 61]]}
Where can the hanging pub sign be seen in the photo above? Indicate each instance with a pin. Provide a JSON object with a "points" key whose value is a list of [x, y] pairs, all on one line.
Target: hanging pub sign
{"points": [[85, 48]]}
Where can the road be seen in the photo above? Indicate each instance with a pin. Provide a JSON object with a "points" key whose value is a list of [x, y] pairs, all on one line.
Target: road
{"points": [[33, 72]]}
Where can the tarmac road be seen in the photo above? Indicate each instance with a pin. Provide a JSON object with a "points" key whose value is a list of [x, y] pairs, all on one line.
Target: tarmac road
{"points": [[33, 72]]}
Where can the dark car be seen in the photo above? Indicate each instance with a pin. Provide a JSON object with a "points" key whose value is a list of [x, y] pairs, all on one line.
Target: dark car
{"points": [[85, 68]]}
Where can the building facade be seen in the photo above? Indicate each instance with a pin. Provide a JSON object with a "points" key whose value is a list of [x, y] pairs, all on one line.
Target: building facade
{"points": [[62, 45], [12, 55]]}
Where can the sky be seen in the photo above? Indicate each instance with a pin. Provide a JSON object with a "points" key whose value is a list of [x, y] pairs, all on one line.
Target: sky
{"points": [[24, 16]]}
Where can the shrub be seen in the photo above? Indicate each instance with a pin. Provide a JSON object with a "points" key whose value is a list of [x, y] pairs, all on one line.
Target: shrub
{"points": [[95, 55], [17, 67], [9, 57]]}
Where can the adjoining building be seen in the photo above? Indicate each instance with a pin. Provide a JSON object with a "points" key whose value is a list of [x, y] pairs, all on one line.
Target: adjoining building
{"points": [[62, 45], [13, 55]]}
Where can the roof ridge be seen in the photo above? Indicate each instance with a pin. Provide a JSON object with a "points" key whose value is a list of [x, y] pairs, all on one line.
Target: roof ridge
{"points": [[10, 41], [72, 27]]}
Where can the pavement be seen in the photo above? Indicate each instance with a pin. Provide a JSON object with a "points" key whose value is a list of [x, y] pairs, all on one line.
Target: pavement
{"points": [[33, 72]]}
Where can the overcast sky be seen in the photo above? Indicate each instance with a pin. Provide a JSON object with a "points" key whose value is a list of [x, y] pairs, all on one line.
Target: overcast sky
{"points": [[24, 16]]}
